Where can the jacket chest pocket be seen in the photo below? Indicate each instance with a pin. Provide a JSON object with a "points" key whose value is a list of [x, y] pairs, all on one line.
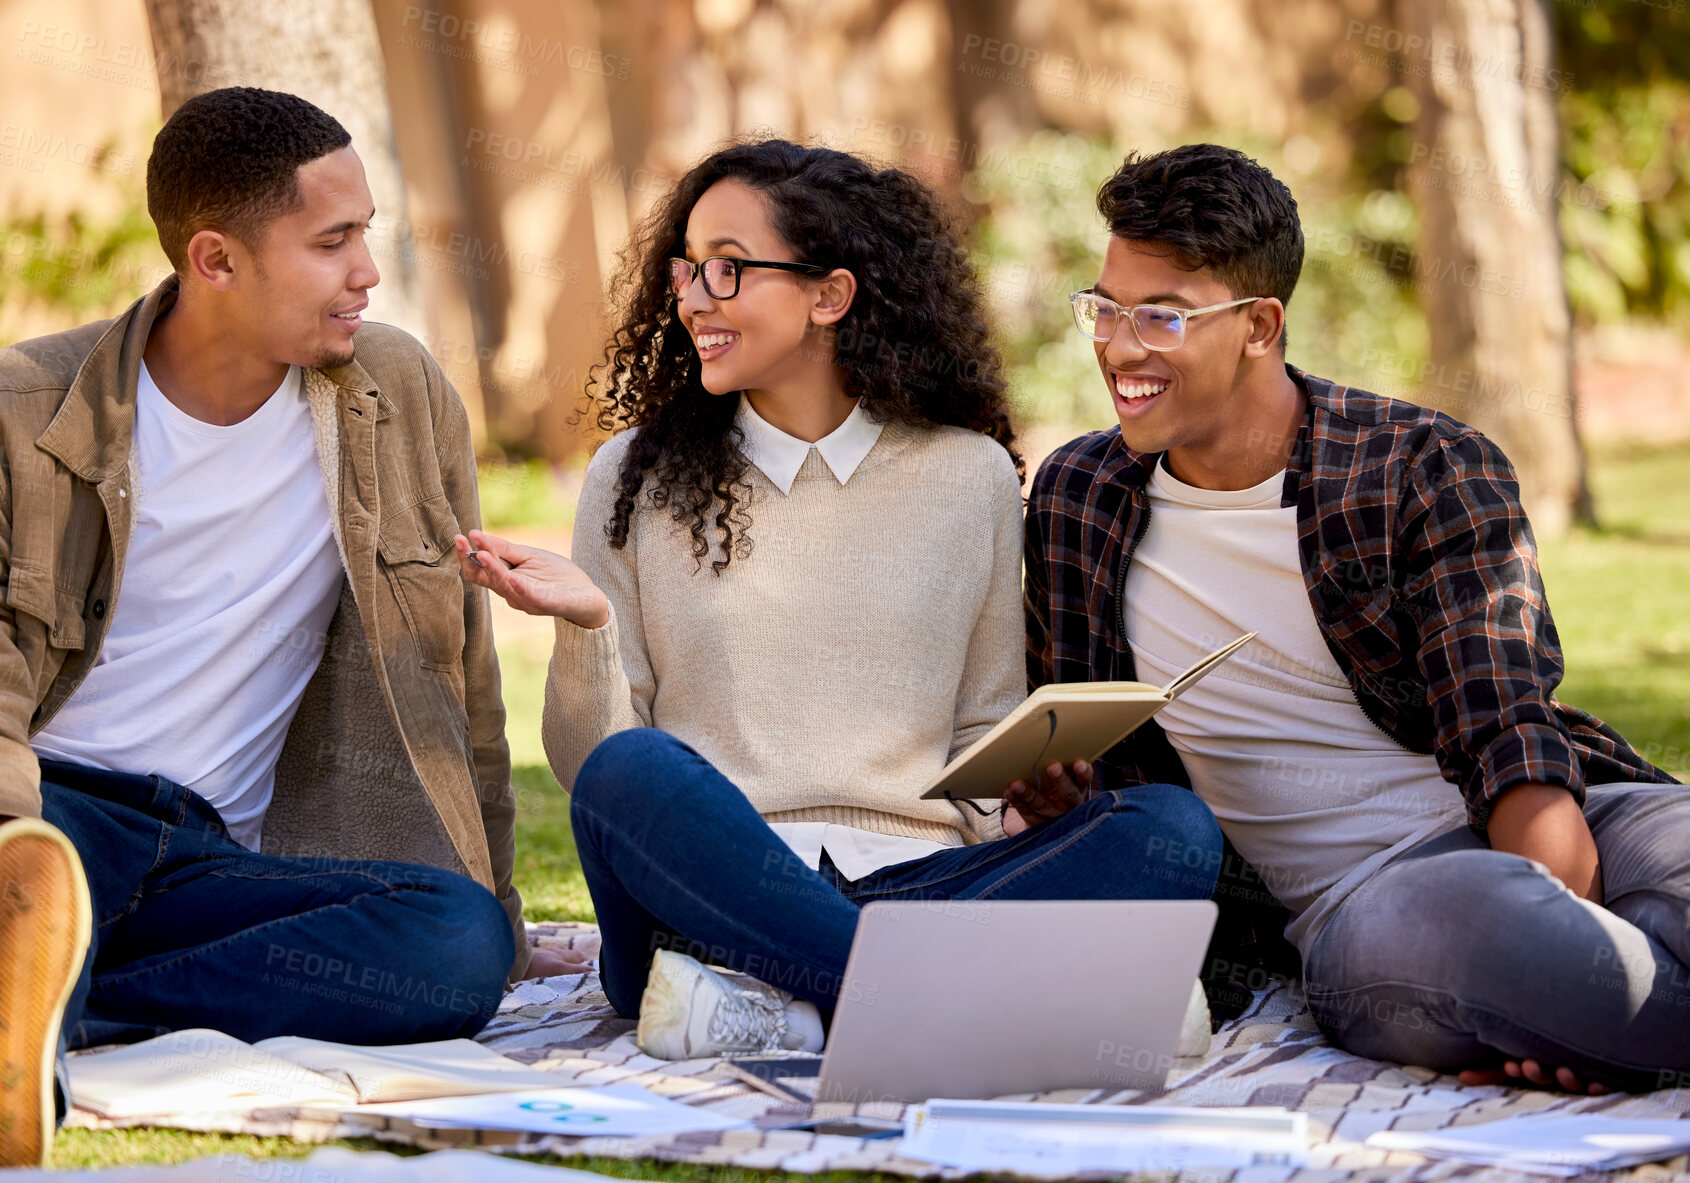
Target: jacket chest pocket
{"points": [[30, 591], [58, 541], [422, 568], [1379, 639], [1361, 620]]}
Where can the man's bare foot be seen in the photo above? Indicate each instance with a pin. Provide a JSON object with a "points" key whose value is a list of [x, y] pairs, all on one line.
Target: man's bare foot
{"points": [[1530, 1072]]}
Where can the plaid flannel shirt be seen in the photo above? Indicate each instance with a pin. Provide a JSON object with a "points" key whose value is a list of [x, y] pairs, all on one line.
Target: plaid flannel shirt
{"points": [[1420, 569]]}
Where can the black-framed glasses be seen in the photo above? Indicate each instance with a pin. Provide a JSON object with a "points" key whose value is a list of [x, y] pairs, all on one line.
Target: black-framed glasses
{"points": [[721, 274], [1157, 326]]}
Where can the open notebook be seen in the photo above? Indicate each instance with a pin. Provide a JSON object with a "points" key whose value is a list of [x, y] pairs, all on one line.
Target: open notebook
{"points": [[1061, 723], [199, 1071]]}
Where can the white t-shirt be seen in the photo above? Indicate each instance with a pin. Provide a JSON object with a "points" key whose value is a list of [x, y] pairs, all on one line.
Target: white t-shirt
{"points": [[1314, 795], [231, 579]]}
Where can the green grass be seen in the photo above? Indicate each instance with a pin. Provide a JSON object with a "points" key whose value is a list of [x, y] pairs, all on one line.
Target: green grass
{"points": [[85, 1149], [547, 871], [1620, 599]]}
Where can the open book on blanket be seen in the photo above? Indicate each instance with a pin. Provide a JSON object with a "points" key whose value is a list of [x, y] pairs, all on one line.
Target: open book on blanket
{"points": [[201, 1071], [1061, 723]]}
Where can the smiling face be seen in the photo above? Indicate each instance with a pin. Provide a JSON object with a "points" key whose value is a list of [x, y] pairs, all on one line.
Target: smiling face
{"points": [[1183, 399], [298, 292], [750, 341]]}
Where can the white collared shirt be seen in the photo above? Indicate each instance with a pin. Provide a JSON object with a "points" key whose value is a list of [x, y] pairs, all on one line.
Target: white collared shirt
{"points": [[779, 456]]}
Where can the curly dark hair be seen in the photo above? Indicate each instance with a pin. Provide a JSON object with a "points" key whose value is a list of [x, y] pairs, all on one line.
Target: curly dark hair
{"points": [[229, 160], [913, 346], [1213, 207]]}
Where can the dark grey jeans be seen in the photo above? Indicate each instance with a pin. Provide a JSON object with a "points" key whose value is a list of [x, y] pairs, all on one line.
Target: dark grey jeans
{"points": [[1457, 956]]}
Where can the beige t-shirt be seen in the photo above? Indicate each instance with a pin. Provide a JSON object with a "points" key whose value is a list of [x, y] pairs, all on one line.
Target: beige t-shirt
{"points": [[1309, 790]]}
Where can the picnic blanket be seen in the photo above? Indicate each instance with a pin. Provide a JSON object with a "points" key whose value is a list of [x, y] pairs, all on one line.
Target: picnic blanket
{"points": [[1272, 1054]]}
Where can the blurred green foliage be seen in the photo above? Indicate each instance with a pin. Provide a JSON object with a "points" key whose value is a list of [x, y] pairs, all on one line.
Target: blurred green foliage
{"points": [[76, 266], [1623, 207], [1625, 147], [1037, 238], [523, 493]]}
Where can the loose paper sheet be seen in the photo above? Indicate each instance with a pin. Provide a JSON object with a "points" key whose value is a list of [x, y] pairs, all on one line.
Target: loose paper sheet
{"points": [[1552, 1145], [614, 1110], [1059, 1140]]}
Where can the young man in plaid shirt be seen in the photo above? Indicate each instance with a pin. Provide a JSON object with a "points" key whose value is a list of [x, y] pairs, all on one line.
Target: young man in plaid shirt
{"points": [[1481, 879]]}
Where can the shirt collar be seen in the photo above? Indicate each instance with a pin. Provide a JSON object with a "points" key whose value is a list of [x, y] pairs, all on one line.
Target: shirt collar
{"points": [[780, 455]]}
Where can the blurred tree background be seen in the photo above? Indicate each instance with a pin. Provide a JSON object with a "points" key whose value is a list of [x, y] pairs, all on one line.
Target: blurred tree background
{"points": [[1495, 195], [514, 142]]}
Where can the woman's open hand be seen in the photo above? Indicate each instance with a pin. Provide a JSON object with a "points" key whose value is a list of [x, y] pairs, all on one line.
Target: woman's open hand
{"points": [[532, 580]]}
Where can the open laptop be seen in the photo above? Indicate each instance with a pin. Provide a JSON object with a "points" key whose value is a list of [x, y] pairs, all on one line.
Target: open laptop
{"points": [[980, 998]]}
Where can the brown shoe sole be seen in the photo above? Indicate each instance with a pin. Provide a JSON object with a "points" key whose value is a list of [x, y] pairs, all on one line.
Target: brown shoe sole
{"points": [[44, 931]]}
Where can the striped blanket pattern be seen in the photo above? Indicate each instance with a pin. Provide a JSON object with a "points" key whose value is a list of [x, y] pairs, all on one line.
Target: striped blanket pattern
{"points": [[1270, 1055]]}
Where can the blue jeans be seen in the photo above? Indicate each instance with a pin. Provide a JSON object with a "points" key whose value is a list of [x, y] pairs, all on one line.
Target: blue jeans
{"points": [[191, 929], [1454, 955], [677, 858]]}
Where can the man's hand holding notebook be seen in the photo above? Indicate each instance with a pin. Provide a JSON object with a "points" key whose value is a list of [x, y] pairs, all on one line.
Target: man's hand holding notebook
{"points": [[1044, 749]]}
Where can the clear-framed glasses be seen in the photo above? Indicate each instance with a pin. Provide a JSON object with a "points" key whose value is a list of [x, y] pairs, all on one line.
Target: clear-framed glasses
{"points": [[1157, 326], [721, 274]]}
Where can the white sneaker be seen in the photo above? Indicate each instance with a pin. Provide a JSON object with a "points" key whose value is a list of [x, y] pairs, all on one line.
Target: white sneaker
{"points": [[690, 1011], [1194, 1031]]}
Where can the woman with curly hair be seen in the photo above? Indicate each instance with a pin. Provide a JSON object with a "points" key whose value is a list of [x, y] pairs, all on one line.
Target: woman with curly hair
{"points": [[795, 596]]}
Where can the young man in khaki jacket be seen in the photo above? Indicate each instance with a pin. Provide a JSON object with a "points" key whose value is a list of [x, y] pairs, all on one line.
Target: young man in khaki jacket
{"points": [[232, 617]]}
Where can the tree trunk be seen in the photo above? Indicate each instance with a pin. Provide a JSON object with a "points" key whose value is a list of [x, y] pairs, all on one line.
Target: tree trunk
{"points": [[1484, 168], [325, 51]]}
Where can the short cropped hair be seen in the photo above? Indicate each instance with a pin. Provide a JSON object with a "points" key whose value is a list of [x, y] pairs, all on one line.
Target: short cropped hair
{"points": [[1211, 207], [229, 160]]}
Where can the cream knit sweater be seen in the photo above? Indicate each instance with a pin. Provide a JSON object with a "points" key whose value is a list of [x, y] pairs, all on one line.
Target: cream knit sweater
{"points": [[873, 633]]}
